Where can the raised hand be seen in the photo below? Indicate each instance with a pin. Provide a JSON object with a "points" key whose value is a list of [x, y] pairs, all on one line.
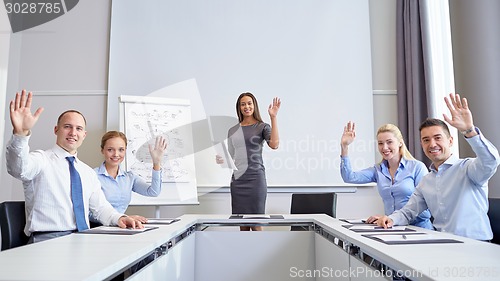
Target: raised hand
{"points": [[274, 107], [461, 116], [158, 151], [20, 113], [349, 134]]}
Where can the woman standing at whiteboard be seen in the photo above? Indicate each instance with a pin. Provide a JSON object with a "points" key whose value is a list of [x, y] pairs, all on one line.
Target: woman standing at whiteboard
{"points": [[397, 175], [118, 184], [245, 143]]}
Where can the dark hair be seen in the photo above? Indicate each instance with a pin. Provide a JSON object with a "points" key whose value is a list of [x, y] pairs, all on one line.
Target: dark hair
{"points": [[256, 113], [430, 122], [71, 111], [113, 134]]}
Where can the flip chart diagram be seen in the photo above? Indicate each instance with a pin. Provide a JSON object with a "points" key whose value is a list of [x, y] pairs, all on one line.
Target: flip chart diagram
{"points": [[142, 120]]}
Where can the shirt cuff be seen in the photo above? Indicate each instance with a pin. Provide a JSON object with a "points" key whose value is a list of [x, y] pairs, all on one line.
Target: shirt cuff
{"points": [[398, 219], [116, 218]]}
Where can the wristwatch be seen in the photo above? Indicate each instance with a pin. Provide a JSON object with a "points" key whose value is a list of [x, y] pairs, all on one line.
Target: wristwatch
{"points": [[467, 131]]}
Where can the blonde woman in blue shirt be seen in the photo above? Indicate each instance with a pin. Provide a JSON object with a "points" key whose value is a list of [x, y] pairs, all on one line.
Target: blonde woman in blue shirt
{"points": [[118, 184], [396, 175]]}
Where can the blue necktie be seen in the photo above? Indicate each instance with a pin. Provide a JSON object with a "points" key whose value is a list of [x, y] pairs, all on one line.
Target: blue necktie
{"points": [[76, 195]]}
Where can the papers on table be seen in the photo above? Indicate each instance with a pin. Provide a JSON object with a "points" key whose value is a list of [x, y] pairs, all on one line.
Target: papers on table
{"points": [[116, 230], [375, 228], [395, 235], [410, 238], [256, 216], [354, 221], [162, 221]]}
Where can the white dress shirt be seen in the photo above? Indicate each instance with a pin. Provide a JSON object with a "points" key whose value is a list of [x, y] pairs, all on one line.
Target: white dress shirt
{"points": [[47, 187]]}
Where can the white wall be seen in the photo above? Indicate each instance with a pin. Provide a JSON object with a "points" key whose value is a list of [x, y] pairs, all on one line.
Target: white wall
{"points": [[474, 45], [65, 62], [77, 45], [4, 62]]}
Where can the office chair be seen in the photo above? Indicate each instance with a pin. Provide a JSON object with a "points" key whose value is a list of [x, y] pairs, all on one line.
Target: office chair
{"points": [[94, 224], [12, 222], [313, 203], [494, 216]]}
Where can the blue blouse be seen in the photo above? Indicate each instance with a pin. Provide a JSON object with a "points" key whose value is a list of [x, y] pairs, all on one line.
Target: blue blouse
{"points": [[119, 191], [394, 195]]}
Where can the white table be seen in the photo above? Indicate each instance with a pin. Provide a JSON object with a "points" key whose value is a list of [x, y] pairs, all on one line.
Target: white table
{"points": [[191, 252]]}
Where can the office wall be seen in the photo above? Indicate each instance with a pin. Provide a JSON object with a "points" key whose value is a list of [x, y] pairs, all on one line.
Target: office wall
{"points": [[476, 42], [65, 62], [4, 61], [70, 55]]}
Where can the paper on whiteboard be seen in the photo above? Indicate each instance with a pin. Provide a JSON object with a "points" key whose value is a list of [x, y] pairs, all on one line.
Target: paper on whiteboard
{"points": [[221, 150]]}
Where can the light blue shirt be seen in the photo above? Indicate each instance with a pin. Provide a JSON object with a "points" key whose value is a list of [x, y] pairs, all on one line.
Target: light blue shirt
{"points": [[457, 193], [119, 191], [394, 195]]}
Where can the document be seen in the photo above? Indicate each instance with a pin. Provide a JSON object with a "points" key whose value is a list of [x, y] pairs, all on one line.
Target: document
{"points": [[354, 221], [375, 228], [116, 230], [401, 237], [256, 217], [162, 221], [221, 150], [410, 238]]}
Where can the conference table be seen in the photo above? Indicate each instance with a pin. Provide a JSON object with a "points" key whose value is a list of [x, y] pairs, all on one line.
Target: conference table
{"points": [[211, 247]]}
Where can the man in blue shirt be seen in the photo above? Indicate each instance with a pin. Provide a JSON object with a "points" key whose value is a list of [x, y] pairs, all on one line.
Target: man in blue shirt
{"points": [[455, 190]]}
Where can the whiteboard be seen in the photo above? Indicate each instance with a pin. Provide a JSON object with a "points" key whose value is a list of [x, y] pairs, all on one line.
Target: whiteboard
{"points": [[142, 119], [315, 55]]}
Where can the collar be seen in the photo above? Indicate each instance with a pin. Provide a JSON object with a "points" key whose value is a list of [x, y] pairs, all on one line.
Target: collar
{"points": [[402, 163], [102, 171], [449, 162], [61, 153]]}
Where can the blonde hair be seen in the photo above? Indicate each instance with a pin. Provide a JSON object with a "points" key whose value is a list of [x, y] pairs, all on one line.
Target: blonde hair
{"points": [[391, 128]]}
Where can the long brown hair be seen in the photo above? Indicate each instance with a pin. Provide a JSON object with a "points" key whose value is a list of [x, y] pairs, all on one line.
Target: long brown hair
{"points": [[256, 112]]}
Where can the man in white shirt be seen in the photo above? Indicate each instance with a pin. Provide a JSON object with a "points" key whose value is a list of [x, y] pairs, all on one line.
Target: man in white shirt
{"points": [[46, 175]]}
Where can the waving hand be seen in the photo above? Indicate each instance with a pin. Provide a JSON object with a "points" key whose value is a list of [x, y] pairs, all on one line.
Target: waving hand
{"points": [[20, 113]]}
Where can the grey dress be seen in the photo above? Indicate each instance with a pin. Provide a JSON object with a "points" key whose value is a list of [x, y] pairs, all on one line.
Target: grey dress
{"points": [[248, 183]]}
